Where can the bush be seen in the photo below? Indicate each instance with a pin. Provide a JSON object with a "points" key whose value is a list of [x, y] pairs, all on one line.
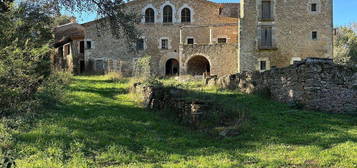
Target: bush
{"points": [[5, 142], [142, 67], [115, 76], [52, 89], [26, 79], [22, 71]]}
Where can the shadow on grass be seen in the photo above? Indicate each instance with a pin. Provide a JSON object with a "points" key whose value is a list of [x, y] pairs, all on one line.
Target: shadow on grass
{"points": [[99, 124]]}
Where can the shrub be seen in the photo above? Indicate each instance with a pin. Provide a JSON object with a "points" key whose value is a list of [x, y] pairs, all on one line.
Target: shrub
{"points": [[52, 89], [115, 76], [26, 79], [153, 82], [5, 142], [142, 67], [22, 71]]}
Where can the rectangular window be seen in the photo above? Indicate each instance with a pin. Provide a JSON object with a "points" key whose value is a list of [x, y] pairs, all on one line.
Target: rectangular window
{"points": [[165, 44], [266, 10], [190, 41], [222, 40], [81, 47], [313, 7], [89, 45], [99, 65], [263, 65], [314, 35], [266, 37], [68, 49], [140, 44]]}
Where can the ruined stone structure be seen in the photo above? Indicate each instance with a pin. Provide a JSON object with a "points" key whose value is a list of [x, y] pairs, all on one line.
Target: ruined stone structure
{"points": [[313, 83], [201, 37], [68, 37]]}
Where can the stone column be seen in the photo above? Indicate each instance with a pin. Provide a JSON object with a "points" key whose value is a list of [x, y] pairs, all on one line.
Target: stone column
{"points": [[180, 35], [180, 53]]}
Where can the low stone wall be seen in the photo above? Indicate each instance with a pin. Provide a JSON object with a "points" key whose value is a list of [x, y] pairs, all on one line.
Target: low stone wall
{"points": [[188, 112], [316, 85]]}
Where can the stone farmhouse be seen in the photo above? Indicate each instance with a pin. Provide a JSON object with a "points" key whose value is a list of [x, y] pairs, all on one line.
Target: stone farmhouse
{"points": [[201, 37]]}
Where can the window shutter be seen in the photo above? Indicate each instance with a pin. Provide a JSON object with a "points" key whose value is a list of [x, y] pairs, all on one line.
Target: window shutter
{"points": [[263, 40], [266, 9], [266, 37], [269, 37]]}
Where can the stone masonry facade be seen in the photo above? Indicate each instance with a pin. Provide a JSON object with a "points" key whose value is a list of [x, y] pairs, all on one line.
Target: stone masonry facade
{"points": [[205, 28], [196, 37], [313, 84], [299, 28]]}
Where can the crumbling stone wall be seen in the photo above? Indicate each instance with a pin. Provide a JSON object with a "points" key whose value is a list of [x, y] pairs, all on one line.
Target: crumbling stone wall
{"points": [[188, 112], [321, 86]]}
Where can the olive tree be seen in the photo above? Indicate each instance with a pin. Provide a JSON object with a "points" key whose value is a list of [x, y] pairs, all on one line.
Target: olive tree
{"points": [[345, 45]]}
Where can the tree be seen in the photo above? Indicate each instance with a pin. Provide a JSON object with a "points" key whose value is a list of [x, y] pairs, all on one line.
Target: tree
{"points": [[63, 19], [5, 5], [25, 37], [24, 56], [345, 46], [113, 14]]}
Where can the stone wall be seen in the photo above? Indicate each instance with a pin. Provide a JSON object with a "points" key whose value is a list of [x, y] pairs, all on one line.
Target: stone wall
{"points": [[292, 26], [222, 57], [205, 15], [321, 86], [188, 112]]}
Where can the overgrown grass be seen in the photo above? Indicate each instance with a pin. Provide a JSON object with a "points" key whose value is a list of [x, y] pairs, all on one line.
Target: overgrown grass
{"points": [[101, 126]]}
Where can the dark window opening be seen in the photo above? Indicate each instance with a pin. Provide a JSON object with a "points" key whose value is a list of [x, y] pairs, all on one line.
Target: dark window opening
{"points": [[263, 65], [140, 44], [314, 35], [149, 16], [89, 44], [68, 49], [314, 7], [165, 44], [186, 15], [190, 41], [167, 16], [222, 40], [81, 47], [266, 37], [266, 10]]}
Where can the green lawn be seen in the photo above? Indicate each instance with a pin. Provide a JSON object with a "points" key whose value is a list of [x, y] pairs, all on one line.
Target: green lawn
{"points": [[101, 126]]}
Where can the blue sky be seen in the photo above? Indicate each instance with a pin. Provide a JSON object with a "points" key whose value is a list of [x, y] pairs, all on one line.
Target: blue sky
{"points": [[345, 12]]}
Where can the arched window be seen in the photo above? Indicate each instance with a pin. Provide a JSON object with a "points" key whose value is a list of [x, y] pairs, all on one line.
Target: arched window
{"points": [[149, 15], [167, 16], [186, 15]]}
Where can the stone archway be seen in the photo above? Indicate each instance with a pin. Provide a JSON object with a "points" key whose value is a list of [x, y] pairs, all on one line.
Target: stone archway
{"points": [[172, 67], [198, 65]]}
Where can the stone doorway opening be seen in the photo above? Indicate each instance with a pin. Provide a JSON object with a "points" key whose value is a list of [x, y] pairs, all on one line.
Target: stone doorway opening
{"points": [[172, 67], [198, 65]]}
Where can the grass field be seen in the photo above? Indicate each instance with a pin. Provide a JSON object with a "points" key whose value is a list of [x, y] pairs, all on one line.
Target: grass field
{"points": [[101, 126]]}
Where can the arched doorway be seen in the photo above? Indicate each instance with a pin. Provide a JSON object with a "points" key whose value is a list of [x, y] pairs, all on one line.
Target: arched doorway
{"points": [[198, 65], [172, 67]]}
